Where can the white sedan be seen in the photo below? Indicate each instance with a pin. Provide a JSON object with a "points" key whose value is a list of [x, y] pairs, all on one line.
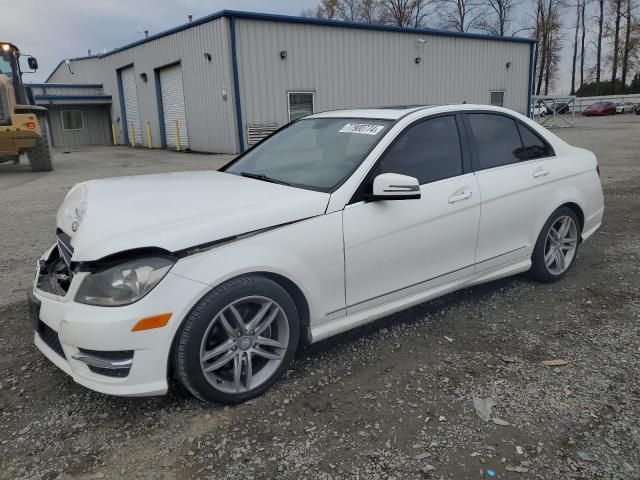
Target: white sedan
{"points": [[336, 220]]}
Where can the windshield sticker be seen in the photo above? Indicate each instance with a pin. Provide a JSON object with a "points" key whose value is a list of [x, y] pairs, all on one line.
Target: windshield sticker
{"points": [[361, 128]]}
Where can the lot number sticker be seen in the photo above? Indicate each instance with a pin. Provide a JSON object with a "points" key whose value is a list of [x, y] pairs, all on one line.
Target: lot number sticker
{"points": [[361, 128]]}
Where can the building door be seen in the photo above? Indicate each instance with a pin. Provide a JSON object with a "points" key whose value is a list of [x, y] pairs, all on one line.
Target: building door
{"points": [[173, 110], [130, 97]]}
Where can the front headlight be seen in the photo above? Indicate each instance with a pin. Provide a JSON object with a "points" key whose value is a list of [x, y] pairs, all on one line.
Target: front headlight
{"points": [[123, 284]]}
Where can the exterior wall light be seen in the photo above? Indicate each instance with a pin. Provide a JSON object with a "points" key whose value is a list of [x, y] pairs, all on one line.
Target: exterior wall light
{"points": [[207, 55], [143, 77], [283, 54], [418, 60], [508, 65]]}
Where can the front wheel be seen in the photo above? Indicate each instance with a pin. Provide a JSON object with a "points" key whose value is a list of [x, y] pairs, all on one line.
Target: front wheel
{"points": [[40, 155], [237, 341], [556, 247]]}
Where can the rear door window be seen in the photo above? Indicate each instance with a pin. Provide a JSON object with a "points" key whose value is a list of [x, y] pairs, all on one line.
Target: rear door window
{"points": [[534, 145], [496, 138]]}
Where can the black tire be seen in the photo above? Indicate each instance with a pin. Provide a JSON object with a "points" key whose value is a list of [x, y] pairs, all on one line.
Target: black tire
{"points": [[189, 339], [40, 155], [539, 270]]}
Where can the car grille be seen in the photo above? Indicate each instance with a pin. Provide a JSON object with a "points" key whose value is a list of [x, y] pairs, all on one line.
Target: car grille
{"points": [[50, 337], [64, 246], [55, 274], [4, 106], [120, 372]]}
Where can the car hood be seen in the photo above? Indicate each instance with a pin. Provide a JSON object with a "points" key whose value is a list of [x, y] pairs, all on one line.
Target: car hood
{"points": [[176, 211]]}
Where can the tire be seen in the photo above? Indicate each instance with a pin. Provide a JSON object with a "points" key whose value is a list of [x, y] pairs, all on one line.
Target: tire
{"points": [[211, 328], [40, 155], [545, 264]]}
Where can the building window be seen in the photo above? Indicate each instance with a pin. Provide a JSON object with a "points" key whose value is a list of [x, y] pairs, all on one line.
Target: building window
{"points": [[300, 104], [497, 99], [72, 120]]}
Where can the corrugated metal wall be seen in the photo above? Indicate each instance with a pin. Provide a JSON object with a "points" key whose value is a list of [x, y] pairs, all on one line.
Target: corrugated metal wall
{"points": [[362, 68], [211, 119], [96, 131], [345, 67]]}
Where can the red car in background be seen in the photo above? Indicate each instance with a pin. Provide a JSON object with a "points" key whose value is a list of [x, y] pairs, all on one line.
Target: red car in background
{"points": [[600, 108]]}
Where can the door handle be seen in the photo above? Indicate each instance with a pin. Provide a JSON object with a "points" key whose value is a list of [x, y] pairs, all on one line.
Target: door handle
{"points": [[460, 195], [540, 172]]}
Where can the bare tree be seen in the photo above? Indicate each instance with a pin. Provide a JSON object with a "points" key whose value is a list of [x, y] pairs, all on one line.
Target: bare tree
{"points": [[460, 15], [548, 31], [499, 17], [348, 10], [616, 7], [422, 10], [328, 9], [370, 11], [599, 54], [397, 12], [630, 42], [584, 34], [575, 49]]}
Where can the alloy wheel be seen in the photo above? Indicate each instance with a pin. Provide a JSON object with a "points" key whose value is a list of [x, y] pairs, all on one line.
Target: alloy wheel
{"points": [[244, 344], [561, 245]]}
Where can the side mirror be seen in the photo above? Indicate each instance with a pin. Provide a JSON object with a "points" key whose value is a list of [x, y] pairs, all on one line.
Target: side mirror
{"points": [[393, 186], [33, 63]]}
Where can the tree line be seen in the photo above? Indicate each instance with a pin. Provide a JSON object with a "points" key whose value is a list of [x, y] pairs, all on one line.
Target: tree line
{"points": [[604, 34]]}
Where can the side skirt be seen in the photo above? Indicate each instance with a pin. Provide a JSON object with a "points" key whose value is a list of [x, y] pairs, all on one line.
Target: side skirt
{"points": [[342, 324]]}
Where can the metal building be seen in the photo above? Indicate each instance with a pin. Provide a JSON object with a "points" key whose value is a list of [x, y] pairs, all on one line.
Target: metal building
{"points": [[220, 83], [78, 114]]}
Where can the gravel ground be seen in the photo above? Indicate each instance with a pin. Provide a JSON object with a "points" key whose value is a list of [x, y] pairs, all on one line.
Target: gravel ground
{"points": [[395, 399]]}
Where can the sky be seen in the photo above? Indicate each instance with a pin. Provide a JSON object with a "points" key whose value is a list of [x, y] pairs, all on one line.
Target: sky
{"points": [[52, 30]]}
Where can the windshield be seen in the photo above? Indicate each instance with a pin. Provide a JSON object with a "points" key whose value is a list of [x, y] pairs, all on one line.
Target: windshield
{"points": [[7, 63], [316, 153]]}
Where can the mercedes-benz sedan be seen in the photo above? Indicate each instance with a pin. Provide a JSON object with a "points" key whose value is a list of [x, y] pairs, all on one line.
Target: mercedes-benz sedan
{"points": [[335, 220]]}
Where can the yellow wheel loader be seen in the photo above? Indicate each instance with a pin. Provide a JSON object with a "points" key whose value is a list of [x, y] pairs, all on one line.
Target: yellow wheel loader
{"points": [[23, 125]]}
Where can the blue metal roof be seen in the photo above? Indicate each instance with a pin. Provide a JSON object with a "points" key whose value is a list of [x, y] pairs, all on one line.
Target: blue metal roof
{"points": [[307, 21]]}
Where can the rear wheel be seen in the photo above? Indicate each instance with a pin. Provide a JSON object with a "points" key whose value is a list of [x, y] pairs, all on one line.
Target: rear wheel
{"points": [[556, 247], [40, 155], [238, 340]]}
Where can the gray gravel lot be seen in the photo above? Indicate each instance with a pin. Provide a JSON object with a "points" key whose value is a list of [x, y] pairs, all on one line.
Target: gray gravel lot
{"points": [[394, 399]]}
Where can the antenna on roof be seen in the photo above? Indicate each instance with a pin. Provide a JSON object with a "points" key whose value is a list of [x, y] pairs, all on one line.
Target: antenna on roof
{"points": [[190, 17], [146, 34]]}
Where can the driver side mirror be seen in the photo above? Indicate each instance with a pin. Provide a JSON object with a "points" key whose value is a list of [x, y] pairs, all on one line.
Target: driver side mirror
{"points": [[393, 186], [33, 63]]}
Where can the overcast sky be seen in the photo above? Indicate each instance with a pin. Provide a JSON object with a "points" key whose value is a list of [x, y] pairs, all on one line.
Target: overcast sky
{"points": [[52, 30]]}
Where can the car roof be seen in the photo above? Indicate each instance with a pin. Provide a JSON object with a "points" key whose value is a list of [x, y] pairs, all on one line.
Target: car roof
{"points": [[381, 113], [397, 112]]}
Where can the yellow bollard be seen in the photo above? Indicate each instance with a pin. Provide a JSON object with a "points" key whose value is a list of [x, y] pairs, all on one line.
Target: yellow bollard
{"points": [[132, 136], [149, 139], [175, 122], [114, 133]]}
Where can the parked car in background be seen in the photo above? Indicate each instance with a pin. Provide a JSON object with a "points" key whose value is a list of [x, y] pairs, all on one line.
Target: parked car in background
{"points": [[626, 107], [636, 108], [599, 109], [560, 108], [336, 220], [538, 110]]}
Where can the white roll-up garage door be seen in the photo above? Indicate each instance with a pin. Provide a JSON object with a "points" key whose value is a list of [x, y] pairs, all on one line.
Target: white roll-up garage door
{"points": [[130, 93], [173, 106]]}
